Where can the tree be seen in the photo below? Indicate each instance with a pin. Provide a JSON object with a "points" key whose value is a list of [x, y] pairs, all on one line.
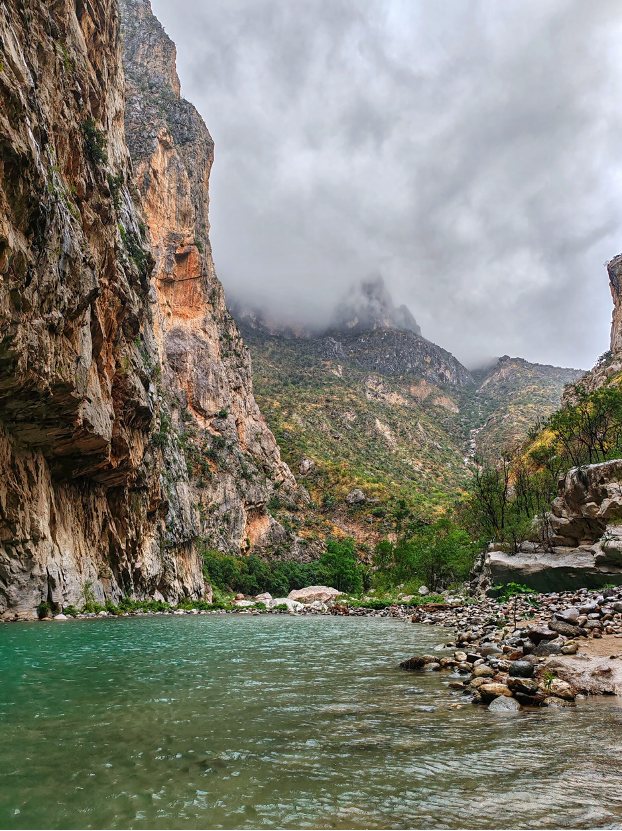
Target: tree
{"points": [[436, 554]]}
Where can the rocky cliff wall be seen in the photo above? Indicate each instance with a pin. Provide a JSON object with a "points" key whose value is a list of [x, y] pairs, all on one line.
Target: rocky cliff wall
{"points": [[81, 502], [232, 459], [609, 365], [128, 428], [614, 270]]}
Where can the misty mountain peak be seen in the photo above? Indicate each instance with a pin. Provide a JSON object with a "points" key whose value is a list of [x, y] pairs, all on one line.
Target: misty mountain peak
{"points": [[369, 306]]}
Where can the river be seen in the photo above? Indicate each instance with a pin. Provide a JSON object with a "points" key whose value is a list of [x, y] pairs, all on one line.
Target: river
{"points": [[278, 721]]}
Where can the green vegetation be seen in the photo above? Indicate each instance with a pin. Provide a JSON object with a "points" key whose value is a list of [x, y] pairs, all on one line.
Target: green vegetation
{"points": [[508, 496], [94, 142], [45, 609], [589, 429], [136, 250], [438, 554], [160, 438], [115, 183], [514, 592], [337, 567], [400, 439], [385, 602], [510, 590]]}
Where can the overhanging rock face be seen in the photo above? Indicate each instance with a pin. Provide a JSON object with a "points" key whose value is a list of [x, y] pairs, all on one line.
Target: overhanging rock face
{"points": [[547, 572]]}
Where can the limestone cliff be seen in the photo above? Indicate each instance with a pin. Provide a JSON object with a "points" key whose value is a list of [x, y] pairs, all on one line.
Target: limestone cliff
{"points": [[609, 365], [80, 500], [614, 269], [232, 460], [128, 428]]}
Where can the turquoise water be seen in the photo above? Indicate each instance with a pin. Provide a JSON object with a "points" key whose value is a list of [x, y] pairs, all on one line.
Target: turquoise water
{"points": [[271, 722]]}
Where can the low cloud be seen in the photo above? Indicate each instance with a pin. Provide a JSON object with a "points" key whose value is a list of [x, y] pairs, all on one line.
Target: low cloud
{"points": [[468, 151]]}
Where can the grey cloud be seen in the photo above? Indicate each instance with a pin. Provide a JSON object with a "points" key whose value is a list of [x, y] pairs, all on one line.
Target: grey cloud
{"points": [[467, 150]]}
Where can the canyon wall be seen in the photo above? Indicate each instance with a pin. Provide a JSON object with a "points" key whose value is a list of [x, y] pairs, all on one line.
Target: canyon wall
{"points": [[232, 459], [614, 270], [128, 429]]}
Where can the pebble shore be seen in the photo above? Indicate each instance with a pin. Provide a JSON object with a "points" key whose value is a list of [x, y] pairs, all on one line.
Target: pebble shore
{"points": [[533, 651]]}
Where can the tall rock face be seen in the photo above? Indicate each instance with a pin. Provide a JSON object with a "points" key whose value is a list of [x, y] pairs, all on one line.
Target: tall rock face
{"points": [[232, 462], [128, 427], [81, 502], [608, 368], [614, 270]]}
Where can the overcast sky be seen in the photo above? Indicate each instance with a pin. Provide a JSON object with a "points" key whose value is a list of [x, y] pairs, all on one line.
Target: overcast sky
{"points": [[468, 150]]}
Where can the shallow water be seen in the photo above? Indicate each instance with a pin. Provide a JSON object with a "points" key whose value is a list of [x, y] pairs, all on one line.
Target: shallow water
{"points": [[271, 722]]}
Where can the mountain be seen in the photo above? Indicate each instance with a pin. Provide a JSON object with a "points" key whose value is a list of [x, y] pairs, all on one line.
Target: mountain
{"points": [[512, 397], [129, 432], [390, 413], [369, 306]]}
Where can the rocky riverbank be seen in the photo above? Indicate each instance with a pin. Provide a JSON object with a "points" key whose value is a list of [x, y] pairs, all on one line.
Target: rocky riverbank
{"points": [[534, 650]]}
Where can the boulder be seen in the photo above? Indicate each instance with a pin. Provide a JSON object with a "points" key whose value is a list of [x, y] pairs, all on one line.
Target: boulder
{"points": [[418, 662], [61, 617], [540, 633], [423, 590], [306, 466], [521, 669], [559, 688], [318, 606], [570, 615], [526, 686], [264, 597], [244, 604], [554, 701], [560, 570], [490, 691], [546, 648], [311, 593], [504, 704], [292, 605], [356, 497], [563, 628], [483, 671], [527, 700]]}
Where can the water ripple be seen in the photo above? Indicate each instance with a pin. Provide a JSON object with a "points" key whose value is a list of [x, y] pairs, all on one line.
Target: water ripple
{"points": [[227, 722]]}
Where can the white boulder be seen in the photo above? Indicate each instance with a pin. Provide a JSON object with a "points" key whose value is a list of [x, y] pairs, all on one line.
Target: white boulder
{"points": [[292, 605], [312, 593]]}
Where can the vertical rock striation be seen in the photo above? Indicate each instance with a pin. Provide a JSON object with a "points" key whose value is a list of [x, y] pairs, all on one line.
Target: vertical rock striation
{"points": [[127, 422], [232, 459]]}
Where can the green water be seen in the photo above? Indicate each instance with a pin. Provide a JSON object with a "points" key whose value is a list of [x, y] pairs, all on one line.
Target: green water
{"points": [[270, 722]]}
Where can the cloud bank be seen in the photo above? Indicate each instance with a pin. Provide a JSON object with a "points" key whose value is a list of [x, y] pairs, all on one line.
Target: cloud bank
{"points": [[468, 151]]}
